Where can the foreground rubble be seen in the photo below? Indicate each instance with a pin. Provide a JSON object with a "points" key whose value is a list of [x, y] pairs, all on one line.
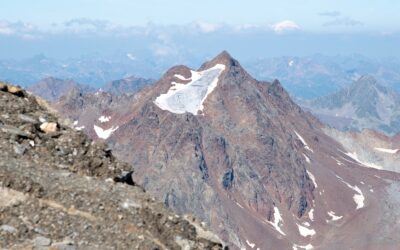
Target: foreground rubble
{"points": [[57, 190]]}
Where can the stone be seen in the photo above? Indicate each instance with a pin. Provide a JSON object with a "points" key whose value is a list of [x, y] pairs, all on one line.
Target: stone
{"points": [[27, 118], [19, 149], [8, 228], [48, 127], [15, 90], [41, 241], [15, 131], [66, 244]]}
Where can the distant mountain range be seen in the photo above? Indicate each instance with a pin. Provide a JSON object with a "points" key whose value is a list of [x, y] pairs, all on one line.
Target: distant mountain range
{"points": [[315, 76], [246, 159], [52, 89], [94, 71], [364, 104], [304, 77]]}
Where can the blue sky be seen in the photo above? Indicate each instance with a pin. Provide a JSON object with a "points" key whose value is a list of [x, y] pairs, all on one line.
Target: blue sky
{"points": [[180, 28], [374, 16]]}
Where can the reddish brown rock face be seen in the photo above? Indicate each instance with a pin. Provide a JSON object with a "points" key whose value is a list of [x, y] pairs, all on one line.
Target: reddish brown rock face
{"points": [[255, 166]]}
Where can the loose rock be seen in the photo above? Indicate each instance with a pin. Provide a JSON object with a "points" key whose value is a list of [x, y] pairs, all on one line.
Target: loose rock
{"points": [[49, 127]]}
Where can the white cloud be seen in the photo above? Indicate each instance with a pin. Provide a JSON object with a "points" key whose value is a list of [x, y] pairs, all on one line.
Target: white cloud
{"points": [[23, 30], [206, 27], [5, 29], [283, 26], [343, 21]]}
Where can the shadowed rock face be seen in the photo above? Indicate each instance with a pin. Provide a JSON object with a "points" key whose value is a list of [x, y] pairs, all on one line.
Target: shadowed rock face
{"points": [[56, 189], [249, 164]]}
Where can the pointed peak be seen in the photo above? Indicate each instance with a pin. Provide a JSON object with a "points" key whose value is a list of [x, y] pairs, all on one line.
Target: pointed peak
{"points": [[367, 79], [367, 83], [224, 55], [222, 58]]}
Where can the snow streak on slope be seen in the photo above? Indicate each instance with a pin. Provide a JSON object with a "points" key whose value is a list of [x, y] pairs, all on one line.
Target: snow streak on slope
{"points": [[307, 247], [181, 77], [305, 231], [304, 142], [104, 119], [312, 177], [334, 216], [359, 197], [311, 214], [367, 164], [189, 97], [277, 221], [104, 134], [386, 150]]}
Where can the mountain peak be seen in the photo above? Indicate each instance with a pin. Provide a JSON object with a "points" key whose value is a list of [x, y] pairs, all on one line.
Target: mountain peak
{"points": [[366, 80], [222, 58], [367, 85]]}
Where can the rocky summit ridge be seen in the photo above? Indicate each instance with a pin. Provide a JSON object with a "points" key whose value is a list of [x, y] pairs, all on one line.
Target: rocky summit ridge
{"points": [[57, 189]]}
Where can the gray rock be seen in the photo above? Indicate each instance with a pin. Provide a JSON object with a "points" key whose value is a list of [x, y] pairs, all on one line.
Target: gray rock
{"points": [[19, 149], [66, 244], [27, 118], [8, 229], [14, 131], [41, 241]]}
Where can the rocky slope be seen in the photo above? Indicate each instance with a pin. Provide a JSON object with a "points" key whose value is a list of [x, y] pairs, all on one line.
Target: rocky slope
{"points": [[370, 148], [245, 158], [57, 189], [364, 104]]}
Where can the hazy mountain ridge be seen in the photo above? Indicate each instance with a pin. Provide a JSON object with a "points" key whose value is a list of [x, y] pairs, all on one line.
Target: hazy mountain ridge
{"points": [[304, 77], [319, 75], [364, 104]]}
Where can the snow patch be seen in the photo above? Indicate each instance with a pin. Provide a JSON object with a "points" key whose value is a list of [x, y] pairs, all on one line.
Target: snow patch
{"points": [[277, 221], [359, 197], [386, 150], [311, 214], [304, 142], [104, 119], [80, 128], [181, 77], [371, 190], [252, 245], [75, 123], [367, 164], [337, 161], [312, 177], [334, 216], [104, 134], [307, 159], [305, 231], [237, 203], [291, 62], [306, 223], [182, 98], [307, 247]]}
